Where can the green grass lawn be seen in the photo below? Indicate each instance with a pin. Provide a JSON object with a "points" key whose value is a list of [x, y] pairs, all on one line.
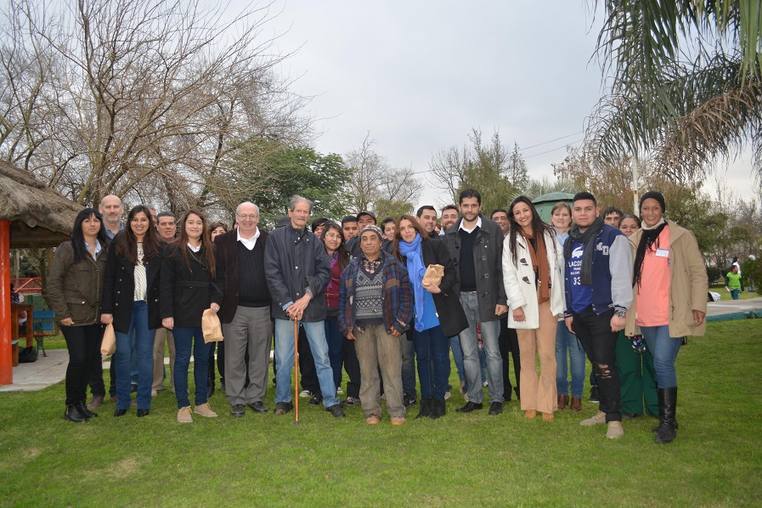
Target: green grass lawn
{"points": [[459, 460]]}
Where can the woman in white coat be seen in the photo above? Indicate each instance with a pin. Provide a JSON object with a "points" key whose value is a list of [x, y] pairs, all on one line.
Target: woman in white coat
{"points": [[534, 285]]}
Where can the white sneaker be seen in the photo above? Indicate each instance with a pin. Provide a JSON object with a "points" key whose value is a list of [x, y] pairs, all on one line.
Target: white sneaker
{"points": [[305, 394], [615, 430], [598, 419], [447, 395]]}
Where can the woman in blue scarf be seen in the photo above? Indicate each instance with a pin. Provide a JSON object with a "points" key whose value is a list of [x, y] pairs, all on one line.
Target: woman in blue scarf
{"points": [[438, 314]]}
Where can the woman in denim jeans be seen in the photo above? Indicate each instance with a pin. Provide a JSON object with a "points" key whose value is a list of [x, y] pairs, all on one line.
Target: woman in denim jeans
{"points": [[670, 287], [131, 302], [567, 344], [437, 312], [187, 273], [341, 351]]}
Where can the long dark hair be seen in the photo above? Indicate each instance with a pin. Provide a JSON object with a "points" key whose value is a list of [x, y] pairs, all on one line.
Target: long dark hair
{"points": [[398, 236], [538, 225], [206, 241], [127, 244], [78, 238], [343, 254]]}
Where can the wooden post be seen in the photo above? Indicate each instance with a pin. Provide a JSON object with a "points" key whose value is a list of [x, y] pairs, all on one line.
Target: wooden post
{"points": [[6, 362]]}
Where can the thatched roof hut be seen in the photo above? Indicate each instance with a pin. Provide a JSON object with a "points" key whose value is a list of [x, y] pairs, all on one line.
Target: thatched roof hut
{"points": [[39, 216]]}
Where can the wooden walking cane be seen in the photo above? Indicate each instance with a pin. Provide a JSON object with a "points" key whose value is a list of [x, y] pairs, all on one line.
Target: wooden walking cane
{"points": [[296, 371]]}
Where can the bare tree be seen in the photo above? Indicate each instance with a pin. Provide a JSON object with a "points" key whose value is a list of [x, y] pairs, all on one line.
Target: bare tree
{"points": [[399, 185], [449, 168], [368, 170], [141, 98]]}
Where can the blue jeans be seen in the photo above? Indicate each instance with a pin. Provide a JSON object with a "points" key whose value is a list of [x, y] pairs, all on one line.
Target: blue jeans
{"points": [[143, 358], [457, 356], [335, 347], [185, 339], [664, 349], [735, 294], [408, 366], [567, 341], [490, 333], [284, 358], [431, 347]]}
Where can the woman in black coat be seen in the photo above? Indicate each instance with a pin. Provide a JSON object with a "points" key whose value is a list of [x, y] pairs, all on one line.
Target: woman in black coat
{"points": [[186, 285], [438, 313], [131, 302]]}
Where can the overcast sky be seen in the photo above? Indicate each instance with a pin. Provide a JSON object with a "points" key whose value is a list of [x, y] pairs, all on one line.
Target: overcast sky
{"points": [[419, 75]]}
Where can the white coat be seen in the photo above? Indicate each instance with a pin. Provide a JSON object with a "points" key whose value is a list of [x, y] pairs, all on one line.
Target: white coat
{"points": [[519, 280]]}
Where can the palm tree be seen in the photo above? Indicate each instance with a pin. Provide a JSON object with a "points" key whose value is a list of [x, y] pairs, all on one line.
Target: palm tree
{"points": [[686, 83]]}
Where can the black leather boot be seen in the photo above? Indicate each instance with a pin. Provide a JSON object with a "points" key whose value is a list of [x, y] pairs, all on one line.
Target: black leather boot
{"points": [[667, 431], [86, 412], [438, 409], [73, 415], [425, 408]]}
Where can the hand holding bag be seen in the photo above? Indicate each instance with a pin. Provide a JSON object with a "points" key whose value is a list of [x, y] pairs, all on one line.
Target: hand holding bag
{"points": [[433, 275], [211, 326], [108, 343]]}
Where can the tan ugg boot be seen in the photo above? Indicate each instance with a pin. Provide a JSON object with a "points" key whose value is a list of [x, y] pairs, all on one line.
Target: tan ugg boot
{"points": [[184, 415], [205, 411], [598, 419], [615, 430]]}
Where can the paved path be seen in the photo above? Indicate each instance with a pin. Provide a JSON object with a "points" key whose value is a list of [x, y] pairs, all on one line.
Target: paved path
{"points": [[733, 306], [46, 371]]}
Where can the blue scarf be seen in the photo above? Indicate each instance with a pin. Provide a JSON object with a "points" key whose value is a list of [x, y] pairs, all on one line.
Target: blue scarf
{"points": [[415, 270]]}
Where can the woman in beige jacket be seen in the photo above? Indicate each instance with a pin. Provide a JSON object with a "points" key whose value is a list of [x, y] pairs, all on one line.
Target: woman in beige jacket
{"points": [[670, 287]]}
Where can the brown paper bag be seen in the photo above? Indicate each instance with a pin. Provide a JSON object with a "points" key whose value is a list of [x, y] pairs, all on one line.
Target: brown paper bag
{"points": [[433, 275], [211, 326], [108, 343]]}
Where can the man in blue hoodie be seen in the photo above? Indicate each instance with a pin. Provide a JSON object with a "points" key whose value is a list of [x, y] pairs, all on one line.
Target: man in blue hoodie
{"points": [[598, 283]]}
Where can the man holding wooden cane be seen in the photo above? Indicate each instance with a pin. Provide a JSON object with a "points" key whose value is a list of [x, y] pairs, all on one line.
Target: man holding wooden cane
{"points": [[297, 271]]}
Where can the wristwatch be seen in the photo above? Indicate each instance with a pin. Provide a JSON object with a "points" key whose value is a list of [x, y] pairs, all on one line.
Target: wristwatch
{"points": [[620, 312]]}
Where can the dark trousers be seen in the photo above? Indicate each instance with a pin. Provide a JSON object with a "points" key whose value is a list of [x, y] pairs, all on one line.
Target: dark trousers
{"points": [[432, 349], [97, 386], [594, 331], [508, 342], [308, 374], [342, 353], [636, 378], [220, 347], [84, 345]]}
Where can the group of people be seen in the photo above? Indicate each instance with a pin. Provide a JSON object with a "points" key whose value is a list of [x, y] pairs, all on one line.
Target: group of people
{"points": [[382, 302]]}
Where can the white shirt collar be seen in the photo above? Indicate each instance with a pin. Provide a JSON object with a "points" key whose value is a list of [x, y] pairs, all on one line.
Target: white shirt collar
{"points": [[98, 247], [478, 225], [249, 243], [194, 249]]}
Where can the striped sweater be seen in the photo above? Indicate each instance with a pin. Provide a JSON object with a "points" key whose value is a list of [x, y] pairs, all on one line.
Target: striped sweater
{"points": [[397, 295]]}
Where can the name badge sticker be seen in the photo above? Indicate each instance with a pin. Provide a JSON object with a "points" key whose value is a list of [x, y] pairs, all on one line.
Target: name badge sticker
{"points": [[662, 253]]}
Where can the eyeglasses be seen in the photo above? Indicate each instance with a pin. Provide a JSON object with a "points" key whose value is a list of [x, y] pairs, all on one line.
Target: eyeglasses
{"points": [[251, 216]]}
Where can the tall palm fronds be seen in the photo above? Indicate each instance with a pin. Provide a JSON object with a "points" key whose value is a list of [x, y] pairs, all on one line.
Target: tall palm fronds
{"points": [[686, 82]]}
